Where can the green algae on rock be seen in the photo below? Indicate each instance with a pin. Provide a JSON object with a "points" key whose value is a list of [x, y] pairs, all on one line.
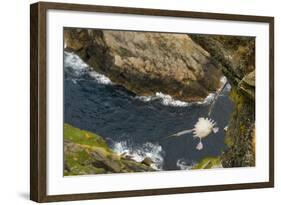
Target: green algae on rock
{"points": [[240, 135], [208, 163], [87, 153]]}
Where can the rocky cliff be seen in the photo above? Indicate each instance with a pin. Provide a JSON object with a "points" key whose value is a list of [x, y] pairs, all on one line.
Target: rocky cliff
{"points": [[187, 67], [236, 57], [146, 62]]}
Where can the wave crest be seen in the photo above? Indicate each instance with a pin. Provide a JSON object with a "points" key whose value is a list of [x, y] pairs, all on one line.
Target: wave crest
{"points": [[167, 100], [139, 153], [75, 65], [184, 165], [102, 79]]}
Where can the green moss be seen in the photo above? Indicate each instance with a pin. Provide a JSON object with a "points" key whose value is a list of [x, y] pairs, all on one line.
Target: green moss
{"points": [[88, 153], [239, 136], [208, 163], [237, 98], [83, 137]]}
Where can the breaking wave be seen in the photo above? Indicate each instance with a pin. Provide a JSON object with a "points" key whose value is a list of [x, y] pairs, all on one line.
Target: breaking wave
{"points": [[74, 65], [167, 100], [102, 79], [184, 165], [140, 152]]}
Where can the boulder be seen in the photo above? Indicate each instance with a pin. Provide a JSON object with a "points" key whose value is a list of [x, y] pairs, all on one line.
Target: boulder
{"points": [[147, 161], [247, 84], [147, 62]]}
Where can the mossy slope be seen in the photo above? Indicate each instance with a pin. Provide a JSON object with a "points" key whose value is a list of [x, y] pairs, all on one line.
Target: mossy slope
{"points": [[87, 153]]}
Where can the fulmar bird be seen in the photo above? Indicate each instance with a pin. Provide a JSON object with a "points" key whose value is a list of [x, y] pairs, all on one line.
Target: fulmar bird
{"points": [[202, 129]]}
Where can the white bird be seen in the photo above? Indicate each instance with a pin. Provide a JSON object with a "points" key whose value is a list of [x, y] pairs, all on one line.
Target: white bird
{"points": [[202, 128]]}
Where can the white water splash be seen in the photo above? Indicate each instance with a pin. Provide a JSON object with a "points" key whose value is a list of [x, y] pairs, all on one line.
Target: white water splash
{"points": [[167, 100], [208, 100], [102, 79], [79, 67], [183, 165], [74, 62], [139, 153]]}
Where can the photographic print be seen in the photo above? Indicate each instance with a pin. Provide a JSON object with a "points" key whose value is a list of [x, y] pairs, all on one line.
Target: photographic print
{"points": [[129, 102], [139, 101]]}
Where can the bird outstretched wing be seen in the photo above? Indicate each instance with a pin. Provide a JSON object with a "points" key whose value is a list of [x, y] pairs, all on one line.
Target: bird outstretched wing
{"points": [[180, 133]]}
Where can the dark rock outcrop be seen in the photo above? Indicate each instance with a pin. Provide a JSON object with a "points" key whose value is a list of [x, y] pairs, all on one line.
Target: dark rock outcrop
{"points": [[235, 56], [146, 62]]}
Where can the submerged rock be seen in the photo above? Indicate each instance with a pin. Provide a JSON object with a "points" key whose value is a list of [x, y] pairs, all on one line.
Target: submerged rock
{"points": [[146, 62]]}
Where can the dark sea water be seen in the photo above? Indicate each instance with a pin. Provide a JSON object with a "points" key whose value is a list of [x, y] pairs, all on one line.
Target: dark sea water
{"points": [[137, 124]]}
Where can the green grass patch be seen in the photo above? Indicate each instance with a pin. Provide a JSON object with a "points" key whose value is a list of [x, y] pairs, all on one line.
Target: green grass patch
{"points": [[208, 163], [83, 137]]}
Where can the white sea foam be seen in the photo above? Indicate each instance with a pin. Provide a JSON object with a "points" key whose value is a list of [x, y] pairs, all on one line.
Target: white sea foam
{"points": [[75, 63], [79, 67], [102, 79], [208, 100], [139, 153], [167, 100], [183, 165]]}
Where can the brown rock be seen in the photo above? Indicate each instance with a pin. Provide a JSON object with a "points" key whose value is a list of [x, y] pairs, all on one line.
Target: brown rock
{"points": [[146, 63]]}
